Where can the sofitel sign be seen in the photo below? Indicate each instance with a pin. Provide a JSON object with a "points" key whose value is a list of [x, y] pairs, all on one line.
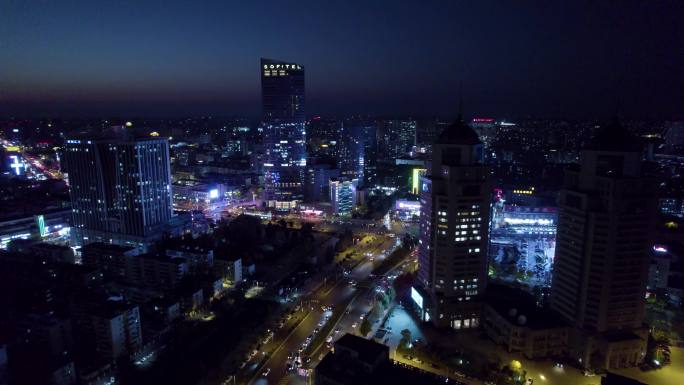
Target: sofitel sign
{"points": [[282, 66]]}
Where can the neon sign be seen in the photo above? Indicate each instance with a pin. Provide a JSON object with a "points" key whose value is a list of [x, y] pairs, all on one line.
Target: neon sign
{"points": [[16, 164], [416, 297]]}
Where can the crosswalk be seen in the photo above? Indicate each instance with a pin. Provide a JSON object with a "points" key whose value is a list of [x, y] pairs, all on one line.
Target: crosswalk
{"points": [[283, 381]]}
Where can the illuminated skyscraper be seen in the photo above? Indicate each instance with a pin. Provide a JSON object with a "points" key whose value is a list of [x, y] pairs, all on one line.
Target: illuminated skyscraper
{"points": [[284, 127], [607, 210], [454, 218], [396, 138], [343, 195], [120, 189]]}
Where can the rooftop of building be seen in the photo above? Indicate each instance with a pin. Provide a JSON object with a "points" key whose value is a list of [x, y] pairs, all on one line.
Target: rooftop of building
{"points": [[367, 350], [459, 133], [346, 371], [162, 258], [613, 136], [99, 306], [110, 247], [520, 308], [114, 135], [189, 244]]}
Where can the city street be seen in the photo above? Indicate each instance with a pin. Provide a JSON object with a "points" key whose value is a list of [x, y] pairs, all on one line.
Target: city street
{"points": [[332, 295]]}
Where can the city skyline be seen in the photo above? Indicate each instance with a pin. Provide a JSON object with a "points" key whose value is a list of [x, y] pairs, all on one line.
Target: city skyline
{"points": [[405, 192], [182, 60]]}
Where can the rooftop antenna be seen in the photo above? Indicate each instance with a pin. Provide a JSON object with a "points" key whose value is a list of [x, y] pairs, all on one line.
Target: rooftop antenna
{"points": [[460, 100]]}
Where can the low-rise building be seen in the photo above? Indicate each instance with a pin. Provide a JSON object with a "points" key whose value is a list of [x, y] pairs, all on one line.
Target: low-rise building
{"points": [[512, 319], [229, 267], [114, 326], [145, 270], [358, 361]]}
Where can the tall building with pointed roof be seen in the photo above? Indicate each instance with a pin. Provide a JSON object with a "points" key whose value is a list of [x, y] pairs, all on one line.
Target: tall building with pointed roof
{"points": [[606, 213], [455, 201]]}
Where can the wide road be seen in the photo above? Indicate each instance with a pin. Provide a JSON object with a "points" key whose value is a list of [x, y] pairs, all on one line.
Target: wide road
{"points": [[331, 294]]}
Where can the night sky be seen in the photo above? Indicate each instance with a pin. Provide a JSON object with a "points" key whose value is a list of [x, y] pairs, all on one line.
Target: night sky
{"points": [[176, 58]]}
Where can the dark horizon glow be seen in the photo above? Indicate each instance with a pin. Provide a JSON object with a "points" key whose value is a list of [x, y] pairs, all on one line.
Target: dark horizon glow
{"points": [[176, 58]]}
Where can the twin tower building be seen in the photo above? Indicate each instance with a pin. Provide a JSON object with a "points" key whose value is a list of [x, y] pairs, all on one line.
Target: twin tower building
{"points": [[607, 209]]}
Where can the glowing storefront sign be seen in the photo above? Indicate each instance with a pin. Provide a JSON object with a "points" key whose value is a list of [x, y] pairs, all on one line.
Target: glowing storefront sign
{"points": [[407, 205], [416, 297], [213, 194], [660, 249], [529, 221]]}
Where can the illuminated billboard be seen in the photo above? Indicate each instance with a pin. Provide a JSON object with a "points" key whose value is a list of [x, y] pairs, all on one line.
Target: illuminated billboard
{"points": [[16, 164], [402, 204], [416, 297], [416, 173]]}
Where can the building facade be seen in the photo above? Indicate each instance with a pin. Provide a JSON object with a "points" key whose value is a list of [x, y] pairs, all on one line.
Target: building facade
{"points": [[396, 138], [120, 189], [343, 195], [317, 182], [607, 209], [455, 202], [284, 132]]}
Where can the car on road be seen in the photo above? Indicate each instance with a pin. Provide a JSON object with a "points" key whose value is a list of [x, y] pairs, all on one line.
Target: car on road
{"points": [[354, 325], [266, 372], [337, 330]]}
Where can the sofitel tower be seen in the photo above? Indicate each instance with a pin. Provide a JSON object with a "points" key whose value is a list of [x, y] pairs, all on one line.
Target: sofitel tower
{"points": [[282, 95]]}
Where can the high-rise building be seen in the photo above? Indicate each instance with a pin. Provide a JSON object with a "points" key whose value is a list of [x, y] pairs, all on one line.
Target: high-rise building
{"points": [[396, 138], [284, 130], [120, 189], [455, 201], [343, 195], [607, 209], [428, 130], [317, 182], [358, 150], [323, 138]]}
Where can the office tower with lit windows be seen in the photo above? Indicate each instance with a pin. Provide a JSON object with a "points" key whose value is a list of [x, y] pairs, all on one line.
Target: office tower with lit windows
{"points": [[284, 132], [358, 150], [323, 138], [396, 139], [455, 201], [120, 189], [607, 210], [343, 195], [317, 182]]}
